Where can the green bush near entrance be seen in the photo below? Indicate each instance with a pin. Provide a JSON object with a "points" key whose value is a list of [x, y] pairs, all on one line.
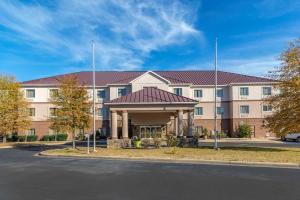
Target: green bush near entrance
{"points": [[244, 131]]}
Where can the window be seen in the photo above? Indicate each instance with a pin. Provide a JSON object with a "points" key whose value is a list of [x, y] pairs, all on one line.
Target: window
{"points": [[53, 112], [31, 112], [53, 93], [220, 93], [244, 91], [244, 109], [101, 94], [198, 111], [178, 91], [30, 131], [220, 110], [99, 112], [198, 93], [267, 90], [30, 93], [267, 108], [122, 92]]}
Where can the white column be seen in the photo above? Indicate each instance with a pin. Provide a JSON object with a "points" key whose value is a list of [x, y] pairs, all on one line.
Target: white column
{"points": [[180, 123], [125, 124], [190, 122], [114, 124]]}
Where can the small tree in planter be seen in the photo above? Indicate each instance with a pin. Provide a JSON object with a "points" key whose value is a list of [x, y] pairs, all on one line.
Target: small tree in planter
{"points": [[244, 131], [205, 133]]}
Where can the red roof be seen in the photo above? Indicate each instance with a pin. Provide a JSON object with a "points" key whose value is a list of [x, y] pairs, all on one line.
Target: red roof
{"points": [[175, 77], [152, 95]]}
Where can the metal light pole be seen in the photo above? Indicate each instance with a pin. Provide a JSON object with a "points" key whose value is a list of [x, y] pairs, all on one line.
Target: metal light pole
{"points": [[94, 96], [216, 84]]}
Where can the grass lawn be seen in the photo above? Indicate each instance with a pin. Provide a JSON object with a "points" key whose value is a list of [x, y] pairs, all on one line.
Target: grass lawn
{"points": [[243, 154]]}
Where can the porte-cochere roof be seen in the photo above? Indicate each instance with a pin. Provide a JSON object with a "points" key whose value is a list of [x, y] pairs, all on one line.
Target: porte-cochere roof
{"points": [[152, 95]]}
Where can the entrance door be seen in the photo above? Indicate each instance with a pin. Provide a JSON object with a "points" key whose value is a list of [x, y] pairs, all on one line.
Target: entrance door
{"points": [[151, 131]]}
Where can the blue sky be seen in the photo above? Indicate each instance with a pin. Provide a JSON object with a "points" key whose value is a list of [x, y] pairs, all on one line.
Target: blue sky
{"points": [[44, 38]]}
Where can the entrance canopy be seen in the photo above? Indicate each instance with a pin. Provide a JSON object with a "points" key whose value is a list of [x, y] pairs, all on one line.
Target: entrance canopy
{"points": [[150, 100]]}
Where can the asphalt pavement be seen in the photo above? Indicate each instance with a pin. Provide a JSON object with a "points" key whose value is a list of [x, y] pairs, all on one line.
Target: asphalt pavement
{"points": [[27, 177]]}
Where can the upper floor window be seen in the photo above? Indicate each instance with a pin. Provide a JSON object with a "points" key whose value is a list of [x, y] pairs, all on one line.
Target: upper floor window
{"points": [[199, 111], [244, 91], [244, 109], [220, 92], [31, 112], [30, 131], [99, 112], [178, 91], [267, 108], [198, 93], [267, 90], [122, 92], [101, 94], [53, 112], [220, 110], [53, 93], [30, 93]]}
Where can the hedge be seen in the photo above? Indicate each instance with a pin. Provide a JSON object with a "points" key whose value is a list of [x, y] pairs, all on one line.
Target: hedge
{"points": [[30, 138], [59, 137]]}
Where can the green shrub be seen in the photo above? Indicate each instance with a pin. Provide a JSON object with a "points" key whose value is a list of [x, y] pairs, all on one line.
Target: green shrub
{"points": [[171, 140], [244, 130], [62, 137], [32, 138], [21, 138], [48, 138]]}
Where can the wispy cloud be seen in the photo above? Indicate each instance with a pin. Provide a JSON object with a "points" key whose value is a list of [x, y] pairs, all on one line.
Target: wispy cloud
{"points": [[125, 32]]}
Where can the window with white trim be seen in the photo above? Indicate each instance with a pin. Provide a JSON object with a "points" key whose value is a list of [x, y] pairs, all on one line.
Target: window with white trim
{"points": [[220, 92], [198, 93], [267, 91], [178, 91], [220, 110], [30, 131], [244, 91], [31, 112], [101, 94], [267, 108], [122, 92], [53, 93], [244, 109], [30, 93], [198, 111]]}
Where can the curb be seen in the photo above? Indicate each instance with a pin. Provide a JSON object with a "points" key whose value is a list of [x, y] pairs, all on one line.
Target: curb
{"points": [[181, 161]]}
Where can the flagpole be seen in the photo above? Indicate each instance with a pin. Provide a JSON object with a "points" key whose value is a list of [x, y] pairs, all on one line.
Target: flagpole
{"points": [[94, 96], [216, 85]]}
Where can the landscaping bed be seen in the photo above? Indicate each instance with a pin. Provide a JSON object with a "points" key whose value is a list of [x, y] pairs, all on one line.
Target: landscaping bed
{"points": [[242, 154]]}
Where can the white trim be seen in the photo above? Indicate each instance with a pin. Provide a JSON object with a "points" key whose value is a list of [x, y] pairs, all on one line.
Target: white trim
{"points": [[150, 72]]}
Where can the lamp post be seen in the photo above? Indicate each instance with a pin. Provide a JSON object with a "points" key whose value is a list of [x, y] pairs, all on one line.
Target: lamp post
{"points": [[216, 85], [94, 96]]}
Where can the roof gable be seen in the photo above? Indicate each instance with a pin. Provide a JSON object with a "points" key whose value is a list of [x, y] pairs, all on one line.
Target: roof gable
{"points": [[152, 95], [152, 74]]}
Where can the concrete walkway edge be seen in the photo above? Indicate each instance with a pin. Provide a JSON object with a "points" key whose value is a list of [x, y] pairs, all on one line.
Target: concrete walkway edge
{"points": [[183, 161]]}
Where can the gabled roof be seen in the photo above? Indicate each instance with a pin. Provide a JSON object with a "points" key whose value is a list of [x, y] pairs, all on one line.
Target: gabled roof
{"points": [[104, 78], [152, 95], [153, 74]]}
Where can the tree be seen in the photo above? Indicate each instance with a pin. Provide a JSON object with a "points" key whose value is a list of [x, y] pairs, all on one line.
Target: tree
{"points": [[73, 107], [286, 104], [13, 107]]}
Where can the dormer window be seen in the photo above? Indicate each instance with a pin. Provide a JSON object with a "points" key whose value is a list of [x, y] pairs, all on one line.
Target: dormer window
{"points": [[178, 91], [101, 94], [122, 92]]}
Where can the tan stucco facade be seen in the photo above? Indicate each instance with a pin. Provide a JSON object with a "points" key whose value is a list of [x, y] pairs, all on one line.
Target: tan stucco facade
{"points": [[178, 116]]}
